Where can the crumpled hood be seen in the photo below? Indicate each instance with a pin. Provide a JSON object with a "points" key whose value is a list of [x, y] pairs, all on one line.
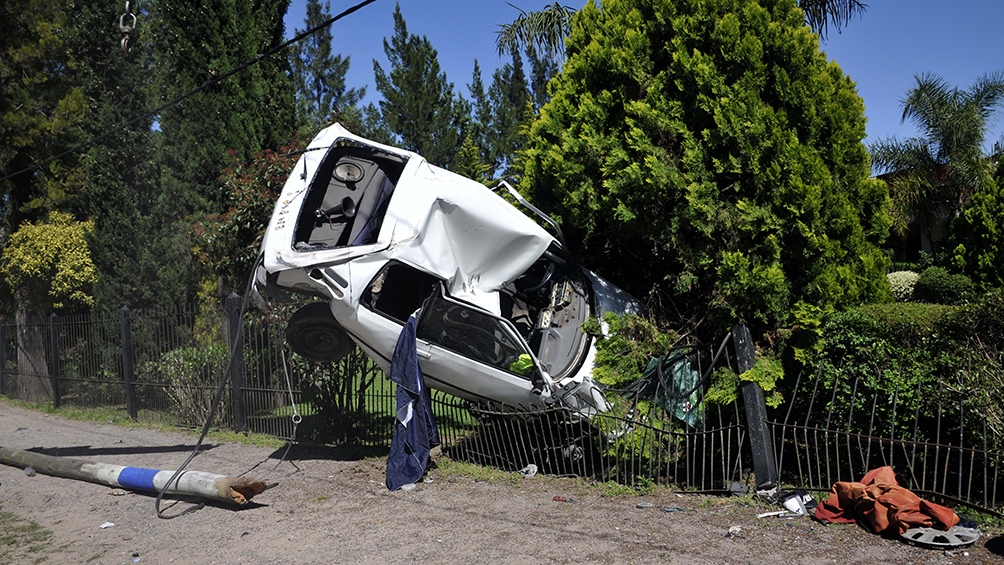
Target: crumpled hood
{"points": [[461, 230]]}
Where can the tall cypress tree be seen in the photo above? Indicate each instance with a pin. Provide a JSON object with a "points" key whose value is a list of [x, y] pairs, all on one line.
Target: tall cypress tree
{"points": [[481, 118], [247, 112], [322, 96], [709, 156], [119, 182], [418, 103]]}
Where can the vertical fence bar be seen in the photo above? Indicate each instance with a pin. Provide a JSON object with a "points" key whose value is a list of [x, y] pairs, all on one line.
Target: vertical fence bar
{"points": [[238, 371], [54, 368], [3, 356], [128, 369]]}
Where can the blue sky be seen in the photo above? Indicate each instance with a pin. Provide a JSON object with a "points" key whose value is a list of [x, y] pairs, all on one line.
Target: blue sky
{"points": [[881, 50]]}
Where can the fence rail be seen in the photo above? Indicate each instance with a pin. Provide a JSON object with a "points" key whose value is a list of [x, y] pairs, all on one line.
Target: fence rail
{"points": [[935, 446], [165, 365]]}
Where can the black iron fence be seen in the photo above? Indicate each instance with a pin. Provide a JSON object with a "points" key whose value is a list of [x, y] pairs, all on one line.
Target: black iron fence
{"points": [[938, 443], [166, 366]]}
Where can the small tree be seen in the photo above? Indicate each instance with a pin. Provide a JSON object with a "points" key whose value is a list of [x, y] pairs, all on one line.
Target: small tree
{"points": [[228, 243], [48, 266]]}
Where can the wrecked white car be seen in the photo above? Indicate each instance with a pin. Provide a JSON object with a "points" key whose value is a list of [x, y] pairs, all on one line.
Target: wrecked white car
{"points": [[379, 234]]}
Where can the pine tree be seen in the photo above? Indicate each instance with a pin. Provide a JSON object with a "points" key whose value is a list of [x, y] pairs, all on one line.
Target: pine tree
{"points": [[511, 105], [481, 119], [40, 101], [542, 70], [418, 103]]}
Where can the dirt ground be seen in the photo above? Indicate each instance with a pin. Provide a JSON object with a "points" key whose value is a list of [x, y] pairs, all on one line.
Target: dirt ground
{"points": [[333, 508]]}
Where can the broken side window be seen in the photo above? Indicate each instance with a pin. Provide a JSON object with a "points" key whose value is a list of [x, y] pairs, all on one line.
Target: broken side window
{"points": [[399, 290]]}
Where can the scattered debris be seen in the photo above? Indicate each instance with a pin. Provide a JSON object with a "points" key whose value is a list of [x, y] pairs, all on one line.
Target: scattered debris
{"points": [[738, 489], [116, 492], [106, 525], [671, 509], [735, 532], [562, 499], [528, 471], [883, 505], [956, 536], [644, 505], [29, 471], [799, 502]]}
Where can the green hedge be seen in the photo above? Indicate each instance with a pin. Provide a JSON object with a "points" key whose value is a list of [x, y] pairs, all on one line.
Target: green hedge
{"points": [[904, 360]]}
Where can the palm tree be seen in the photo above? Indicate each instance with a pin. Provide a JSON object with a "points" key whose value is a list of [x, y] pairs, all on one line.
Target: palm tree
{"points": [[547, 28], [932, 176], [544, 31]]}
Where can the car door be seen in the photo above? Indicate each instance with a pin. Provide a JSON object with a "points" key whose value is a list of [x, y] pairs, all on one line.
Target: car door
{"points": [[473, 352]]}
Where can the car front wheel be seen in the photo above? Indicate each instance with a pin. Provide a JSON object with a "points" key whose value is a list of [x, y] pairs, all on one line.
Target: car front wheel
{"points": [[314, 334]]}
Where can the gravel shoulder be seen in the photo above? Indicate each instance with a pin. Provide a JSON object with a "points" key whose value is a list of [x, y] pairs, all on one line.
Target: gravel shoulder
{"points": [[331, 506]]}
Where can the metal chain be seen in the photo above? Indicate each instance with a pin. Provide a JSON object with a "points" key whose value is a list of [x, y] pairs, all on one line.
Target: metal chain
{"points": [[127, 23]]}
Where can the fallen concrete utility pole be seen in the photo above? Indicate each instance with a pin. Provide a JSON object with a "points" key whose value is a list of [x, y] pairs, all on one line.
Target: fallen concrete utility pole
{"points": [[235, 490]]}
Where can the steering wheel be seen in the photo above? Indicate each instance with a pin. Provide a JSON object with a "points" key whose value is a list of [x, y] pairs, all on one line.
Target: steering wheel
{"points": [[544, 279]]}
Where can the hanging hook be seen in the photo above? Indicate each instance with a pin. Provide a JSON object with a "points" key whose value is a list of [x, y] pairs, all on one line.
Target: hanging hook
{"points": [[127, 28]]}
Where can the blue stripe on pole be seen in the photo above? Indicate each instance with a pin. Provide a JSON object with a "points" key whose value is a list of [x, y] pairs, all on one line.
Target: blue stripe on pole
{"points": [[137, 478]]}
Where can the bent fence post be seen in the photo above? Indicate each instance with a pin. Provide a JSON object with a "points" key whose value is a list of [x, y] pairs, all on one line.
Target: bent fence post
{"points": [[764, 465], [54, 367], [237, 369], [128, 368]]}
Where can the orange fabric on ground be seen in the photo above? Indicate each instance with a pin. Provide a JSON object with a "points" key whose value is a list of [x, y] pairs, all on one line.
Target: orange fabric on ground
{"points": [[879, 501]]}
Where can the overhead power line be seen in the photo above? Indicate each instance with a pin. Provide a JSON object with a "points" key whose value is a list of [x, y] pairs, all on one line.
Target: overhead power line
{"points": [[192, 92]]}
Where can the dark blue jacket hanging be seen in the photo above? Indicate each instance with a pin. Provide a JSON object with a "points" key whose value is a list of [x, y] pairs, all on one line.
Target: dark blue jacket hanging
{"points": [[415, 429]]}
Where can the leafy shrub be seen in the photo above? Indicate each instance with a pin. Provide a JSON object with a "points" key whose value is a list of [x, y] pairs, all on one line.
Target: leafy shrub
{"points": [[901, 283], [339, 393], [909, 325], [192, 376], [630, 344], [975, 334], [766, 372], [937, 286]]}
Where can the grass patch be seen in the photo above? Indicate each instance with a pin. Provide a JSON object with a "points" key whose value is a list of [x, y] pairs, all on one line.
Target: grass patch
{"points": [[449, 468], [111, 415], [21, 538]]}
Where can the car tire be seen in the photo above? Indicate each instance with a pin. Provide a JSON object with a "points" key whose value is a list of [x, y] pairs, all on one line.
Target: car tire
{"points": [[314, 334]]}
